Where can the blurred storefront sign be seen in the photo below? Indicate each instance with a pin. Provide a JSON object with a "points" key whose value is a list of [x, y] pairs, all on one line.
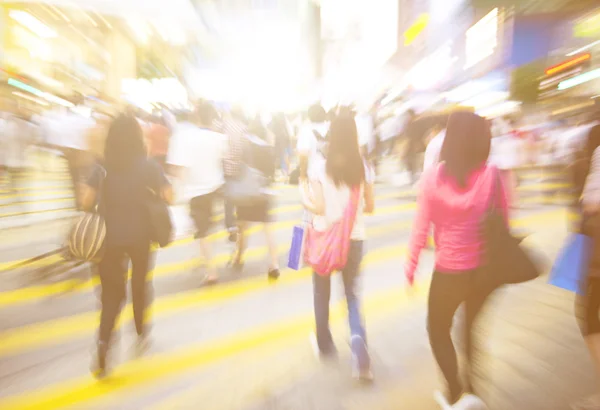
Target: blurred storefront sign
{"points": [[568, 64], [482, 39]]}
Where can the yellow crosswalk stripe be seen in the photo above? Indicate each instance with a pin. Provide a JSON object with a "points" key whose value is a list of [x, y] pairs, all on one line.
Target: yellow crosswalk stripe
{"points": [[29, 337], [148, 370]]}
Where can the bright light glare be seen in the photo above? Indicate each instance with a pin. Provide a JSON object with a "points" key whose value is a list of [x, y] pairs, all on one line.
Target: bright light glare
{"points": [[428, 72], [579, 50], [30, 98], [482, 39], [504, 108], [486, 99], [580, 79], [31, 23], [139, 29], [38, 93]]}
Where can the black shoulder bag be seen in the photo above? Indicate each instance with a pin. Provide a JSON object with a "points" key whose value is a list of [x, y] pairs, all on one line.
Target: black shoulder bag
{"points": [[159, 215], [507, 261]]}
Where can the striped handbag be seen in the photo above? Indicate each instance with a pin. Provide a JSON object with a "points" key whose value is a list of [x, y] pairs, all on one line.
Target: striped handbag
{"points": [[86, 238]]}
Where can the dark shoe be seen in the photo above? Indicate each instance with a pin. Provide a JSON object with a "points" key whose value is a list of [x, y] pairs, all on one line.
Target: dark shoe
{"points": [[233, 235], [274, 274], [327, 355]]}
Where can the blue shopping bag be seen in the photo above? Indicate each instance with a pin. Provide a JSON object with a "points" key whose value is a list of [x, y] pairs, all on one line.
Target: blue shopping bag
{"points": [[295, 257], [570, 268]]}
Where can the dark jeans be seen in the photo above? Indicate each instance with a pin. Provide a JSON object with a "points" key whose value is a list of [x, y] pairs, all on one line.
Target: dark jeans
{"points": [[230, 222], [113, 279], [587, 308], [322, 292], [447, 292]]}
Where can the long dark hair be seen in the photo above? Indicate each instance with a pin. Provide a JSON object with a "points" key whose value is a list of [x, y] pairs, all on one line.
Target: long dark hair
{"points": [[466, 146], [124, 144], [344, 163]]}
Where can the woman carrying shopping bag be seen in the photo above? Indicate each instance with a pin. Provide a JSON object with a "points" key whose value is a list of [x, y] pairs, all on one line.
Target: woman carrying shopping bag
{"points": [[122, 188], [455, 198], [339, 196]]}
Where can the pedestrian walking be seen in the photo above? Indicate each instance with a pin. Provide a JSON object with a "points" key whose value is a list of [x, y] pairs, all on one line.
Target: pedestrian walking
{"points": [[196, 157], [342, 186], [260, 156], [121, 190], [587, 306], [454, 197]]}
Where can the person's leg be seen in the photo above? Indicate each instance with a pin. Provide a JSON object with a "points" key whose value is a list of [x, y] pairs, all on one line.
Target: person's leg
{"points": [[322, 293], [446, 293], [201, 212], [350, 275], [358, 339], [587, 311], [479, 291], [141, 288], [273, 254], [230, 223], [237, 259], [112, 271]]}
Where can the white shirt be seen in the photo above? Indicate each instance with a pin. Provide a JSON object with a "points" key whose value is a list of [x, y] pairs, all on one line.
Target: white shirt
{"points": [[310, 146], [336, 200], [364, 127], [200, 151]]}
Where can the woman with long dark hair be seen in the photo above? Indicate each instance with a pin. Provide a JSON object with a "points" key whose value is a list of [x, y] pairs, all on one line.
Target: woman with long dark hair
{"points": [[455, 196], [330, 193], [121, 189]]}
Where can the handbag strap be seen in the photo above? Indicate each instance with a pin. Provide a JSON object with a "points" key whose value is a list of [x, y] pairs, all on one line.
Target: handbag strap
{"points": [[496, 193]]}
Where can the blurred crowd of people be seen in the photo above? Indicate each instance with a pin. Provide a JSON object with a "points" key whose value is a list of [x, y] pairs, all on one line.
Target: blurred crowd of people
{"points": [[209, 158]]}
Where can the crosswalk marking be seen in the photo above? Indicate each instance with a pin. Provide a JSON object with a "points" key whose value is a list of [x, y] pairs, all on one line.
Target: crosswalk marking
{"points": [[19, 340]]}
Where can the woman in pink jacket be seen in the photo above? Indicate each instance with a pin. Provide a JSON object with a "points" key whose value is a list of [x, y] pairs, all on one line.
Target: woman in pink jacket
{"points": [[455, 196]]}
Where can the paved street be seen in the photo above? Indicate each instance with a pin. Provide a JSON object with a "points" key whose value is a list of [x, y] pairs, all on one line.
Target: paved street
{"points": [[244, 344]]}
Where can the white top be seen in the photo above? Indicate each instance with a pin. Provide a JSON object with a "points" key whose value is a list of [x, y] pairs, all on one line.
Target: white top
{"points": [[336, 201], [364, 127], [201, 152], [309, 145], [433, 150]]}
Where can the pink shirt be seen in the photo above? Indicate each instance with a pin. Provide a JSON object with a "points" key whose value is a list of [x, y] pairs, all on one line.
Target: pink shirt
{"points": [[456, 214]]}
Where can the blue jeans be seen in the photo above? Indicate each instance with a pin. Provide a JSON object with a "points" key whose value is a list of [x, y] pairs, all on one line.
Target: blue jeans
{"points": [[322, 292]]}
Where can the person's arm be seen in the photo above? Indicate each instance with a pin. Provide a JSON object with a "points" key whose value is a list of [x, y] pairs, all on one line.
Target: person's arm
{"points": [[88, 197], [312, 197], [369, 190], [89, 190], [369, 197], [303, 147], [420, 232]]}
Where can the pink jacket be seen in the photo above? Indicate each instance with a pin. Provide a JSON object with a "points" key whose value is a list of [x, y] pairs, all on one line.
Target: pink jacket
{"points": [[456, 214]]}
